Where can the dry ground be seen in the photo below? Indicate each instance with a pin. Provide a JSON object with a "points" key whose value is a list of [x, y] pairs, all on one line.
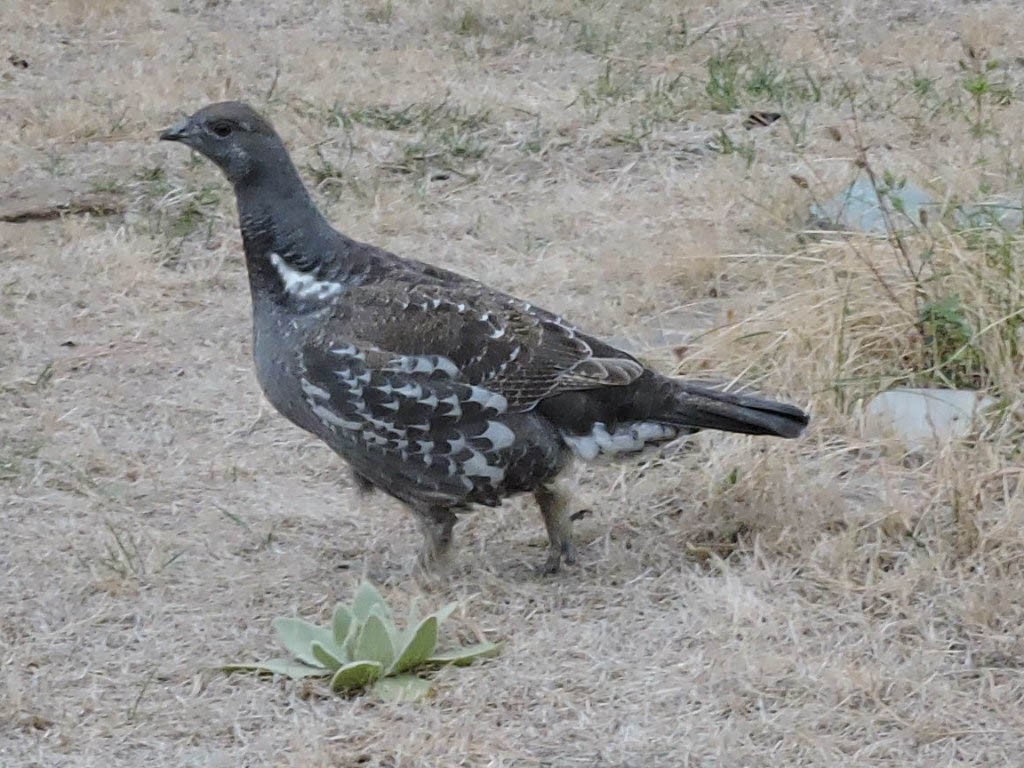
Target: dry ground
{"points": [[829, 601]]}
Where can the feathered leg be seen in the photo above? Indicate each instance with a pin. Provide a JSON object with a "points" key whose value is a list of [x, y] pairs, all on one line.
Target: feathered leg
{"points": [[554, 508], [363, 486], [436, 524]]}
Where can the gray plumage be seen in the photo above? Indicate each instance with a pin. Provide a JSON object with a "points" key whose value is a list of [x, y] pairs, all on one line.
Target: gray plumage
{"points": [[435, 388]]}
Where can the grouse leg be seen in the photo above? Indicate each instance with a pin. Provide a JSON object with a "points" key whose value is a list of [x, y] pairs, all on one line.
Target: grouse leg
{"points": [[554, 508], [363, 486], [436, 524]]}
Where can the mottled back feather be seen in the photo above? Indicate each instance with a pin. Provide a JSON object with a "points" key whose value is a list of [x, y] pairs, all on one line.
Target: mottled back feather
{"points": [[514, 349]]}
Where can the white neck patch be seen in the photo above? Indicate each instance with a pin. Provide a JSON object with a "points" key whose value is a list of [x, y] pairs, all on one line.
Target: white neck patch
{"points": [[303, 285]]}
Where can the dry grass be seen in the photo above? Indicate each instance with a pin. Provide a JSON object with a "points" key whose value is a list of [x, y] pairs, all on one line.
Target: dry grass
{"points": [[830, 601]]}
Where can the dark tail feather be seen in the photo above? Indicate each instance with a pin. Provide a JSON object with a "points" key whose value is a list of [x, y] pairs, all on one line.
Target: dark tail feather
{"points": [[708, 408]]}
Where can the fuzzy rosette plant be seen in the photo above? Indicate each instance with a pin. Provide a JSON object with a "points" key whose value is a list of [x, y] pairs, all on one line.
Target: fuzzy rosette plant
{"points": [[364, 649]]}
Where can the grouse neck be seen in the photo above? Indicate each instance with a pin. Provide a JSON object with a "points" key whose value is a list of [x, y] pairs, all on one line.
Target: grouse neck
{"points": [[277, 214], [288, 243]]}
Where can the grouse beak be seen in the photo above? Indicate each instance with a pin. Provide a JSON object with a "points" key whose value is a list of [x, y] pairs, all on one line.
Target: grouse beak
{"points": [[180, 131]]}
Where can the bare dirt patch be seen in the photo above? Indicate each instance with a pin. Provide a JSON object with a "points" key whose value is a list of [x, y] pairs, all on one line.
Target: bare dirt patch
{"points": [[829, 601]]}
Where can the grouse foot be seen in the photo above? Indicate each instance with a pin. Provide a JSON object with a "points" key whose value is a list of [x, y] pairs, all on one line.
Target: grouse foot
{"points": [[554, 508]]}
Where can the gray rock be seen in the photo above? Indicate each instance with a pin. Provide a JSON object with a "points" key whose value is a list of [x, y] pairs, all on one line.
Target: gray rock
{"points": [[1004, 211], [858, 208]]}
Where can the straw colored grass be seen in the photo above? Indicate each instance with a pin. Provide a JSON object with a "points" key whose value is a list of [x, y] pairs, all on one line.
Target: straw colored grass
{"points": [[828, 601]]}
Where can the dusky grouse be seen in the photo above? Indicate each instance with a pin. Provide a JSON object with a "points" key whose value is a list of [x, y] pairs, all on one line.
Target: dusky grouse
{"points": [[435, 388]]}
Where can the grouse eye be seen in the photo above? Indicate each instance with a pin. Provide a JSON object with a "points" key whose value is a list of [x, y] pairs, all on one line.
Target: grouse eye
{"points": [[221, 128]]}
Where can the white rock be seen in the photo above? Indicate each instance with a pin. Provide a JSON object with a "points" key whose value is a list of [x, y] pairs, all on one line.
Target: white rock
{"points": [[922, 417]]}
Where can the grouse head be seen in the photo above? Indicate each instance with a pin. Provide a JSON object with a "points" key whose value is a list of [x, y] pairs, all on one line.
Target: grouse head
{"points": [[233, 135]]}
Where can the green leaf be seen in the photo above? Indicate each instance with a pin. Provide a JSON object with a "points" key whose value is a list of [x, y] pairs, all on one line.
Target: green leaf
{"points": [[353, 636], [374, 643], [285, 667], [462, 656], [366, 597], [418, 643], [330, 656], [413, 616], [401, 688], [358, 674], [298, 635], [342, 623], [442, 614], [394, 634]]}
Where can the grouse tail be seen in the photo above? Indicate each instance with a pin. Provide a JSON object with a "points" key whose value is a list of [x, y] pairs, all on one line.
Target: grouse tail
{"points": [[703, 407]]}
